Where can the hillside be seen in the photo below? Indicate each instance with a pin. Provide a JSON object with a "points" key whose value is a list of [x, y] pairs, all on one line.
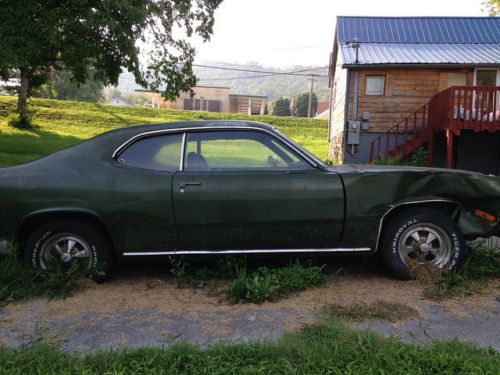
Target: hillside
{"points": [[59, 124], [272, 86]]}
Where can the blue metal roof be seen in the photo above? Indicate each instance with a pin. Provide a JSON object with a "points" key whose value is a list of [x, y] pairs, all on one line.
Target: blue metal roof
{"points": [[395, 53], [416, 30]]}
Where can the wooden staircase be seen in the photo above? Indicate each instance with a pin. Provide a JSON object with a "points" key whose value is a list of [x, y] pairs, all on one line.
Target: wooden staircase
{"points": [[474, 108]]}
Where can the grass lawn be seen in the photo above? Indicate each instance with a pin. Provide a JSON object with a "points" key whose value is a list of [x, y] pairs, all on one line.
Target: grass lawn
{"points": [[324, 348], [59, 124]]}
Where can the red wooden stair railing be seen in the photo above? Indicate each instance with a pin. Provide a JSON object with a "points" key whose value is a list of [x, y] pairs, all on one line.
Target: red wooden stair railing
{"points": [[474, 108]]}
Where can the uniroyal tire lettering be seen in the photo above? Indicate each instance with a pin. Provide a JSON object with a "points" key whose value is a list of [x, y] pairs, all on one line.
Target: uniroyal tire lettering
{"points": [[402, 228], [36, 249], [94, 256]]}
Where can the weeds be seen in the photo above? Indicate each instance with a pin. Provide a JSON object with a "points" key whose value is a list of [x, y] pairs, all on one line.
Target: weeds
{"points": [[178, 269], [263, 284], [18, 282], [269, 284], [480, 265]]}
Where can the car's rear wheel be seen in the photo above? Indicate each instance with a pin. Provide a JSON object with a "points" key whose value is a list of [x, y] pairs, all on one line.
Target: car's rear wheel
{"points": [[421, 236], [68, 246]]}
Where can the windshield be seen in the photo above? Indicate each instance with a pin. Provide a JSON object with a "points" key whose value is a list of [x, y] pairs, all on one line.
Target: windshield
{"points": [[302, 149]]}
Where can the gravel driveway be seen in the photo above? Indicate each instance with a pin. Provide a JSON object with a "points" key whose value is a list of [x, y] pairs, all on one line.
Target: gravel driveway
{"points": [[142, 306]]}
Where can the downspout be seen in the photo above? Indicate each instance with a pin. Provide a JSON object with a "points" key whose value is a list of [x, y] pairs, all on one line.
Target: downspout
{"points": [[346, 109], [355, 96], [355, 102]]}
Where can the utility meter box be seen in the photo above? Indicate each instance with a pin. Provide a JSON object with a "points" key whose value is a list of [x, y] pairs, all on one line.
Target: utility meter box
{"points": [[353, 132], [366, 118]]}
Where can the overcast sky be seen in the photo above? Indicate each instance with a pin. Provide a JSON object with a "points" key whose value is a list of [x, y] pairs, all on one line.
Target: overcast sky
{"points": [[284, 33]]}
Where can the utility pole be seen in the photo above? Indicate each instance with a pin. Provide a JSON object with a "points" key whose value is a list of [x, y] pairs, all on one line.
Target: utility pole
{"points": [[309, 107]]}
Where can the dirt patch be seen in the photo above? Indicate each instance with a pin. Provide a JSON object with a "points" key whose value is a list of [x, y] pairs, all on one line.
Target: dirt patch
{"points": [[380, 309]]}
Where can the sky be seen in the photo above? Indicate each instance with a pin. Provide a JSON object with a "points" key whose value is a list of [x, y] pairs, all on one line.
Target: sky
{"points": [[286, 33]]}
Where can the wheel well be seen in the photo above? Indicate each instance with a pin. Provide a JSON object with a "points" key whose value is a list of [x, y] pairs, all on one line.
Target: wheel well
{"points": [[449, 208], [34, 221]]}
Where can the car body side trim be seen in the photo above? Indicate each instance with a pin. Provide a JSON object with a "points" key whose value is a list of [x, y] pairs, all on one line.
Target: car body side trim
{"points": [[180, 130], [249, 251], [407, 204]]}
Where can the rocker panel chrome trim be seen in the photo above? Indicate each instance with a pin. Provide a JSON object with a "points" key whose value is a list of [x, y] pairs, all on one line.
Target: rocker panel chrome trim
{"points": [[250, 251]]}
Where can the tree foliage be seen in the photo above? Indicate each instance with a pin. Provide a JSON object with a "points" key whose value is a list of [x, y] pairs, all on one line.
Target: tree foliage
{"points": [[299, 104], [491, 7], [280, 107], [61, 86], [38, 37]]}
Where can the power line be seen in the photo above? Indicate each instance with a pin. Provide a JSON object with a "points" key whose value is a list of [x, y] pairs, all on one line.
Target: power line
{"points": [[298, 73], [231, 78], [263, 76]]}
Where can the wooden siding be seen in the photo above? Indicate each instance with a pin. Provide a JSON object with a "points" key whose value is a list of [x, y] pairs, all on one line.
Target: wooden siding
{"points": [[405, 91]]}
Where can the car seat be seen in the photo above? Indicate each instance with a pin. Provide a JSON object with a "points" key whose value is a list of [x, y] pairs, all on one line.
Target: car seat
{"points": [[196, 162]]}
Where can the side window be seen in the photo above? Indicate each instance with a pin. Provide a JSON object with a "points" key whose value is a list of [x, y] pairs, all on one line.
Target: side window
{"points": [[375, 85], [238, 150], [160, 153]]}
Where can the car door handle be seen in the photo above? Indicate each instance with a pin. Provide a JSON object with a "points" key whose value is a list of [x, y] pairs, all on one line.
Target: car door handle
{"points": [[183, 185]]}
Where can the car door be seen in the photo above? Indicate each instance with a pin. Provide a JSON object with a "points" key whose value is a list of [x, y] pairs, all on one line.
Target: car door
{"points": [[245, 189], [140, 208]]}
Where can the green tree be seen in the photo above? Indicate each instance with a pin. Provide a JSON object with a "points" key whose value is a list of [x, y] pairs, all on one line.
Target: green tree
{"points": [[38, 37], [491, 7], [300, 104], [62, 86], [280, 107]]}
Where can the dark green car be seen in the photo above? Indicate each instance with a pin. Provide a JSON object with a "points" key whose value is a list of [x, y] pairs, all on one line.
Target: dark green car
{"points": [[229, 187]]}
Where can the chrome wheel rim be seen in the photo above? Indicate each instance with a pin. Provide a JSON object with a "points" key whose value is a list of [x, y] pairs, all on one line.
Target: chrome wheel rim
{"points": [[425, 243], [65, 251]]}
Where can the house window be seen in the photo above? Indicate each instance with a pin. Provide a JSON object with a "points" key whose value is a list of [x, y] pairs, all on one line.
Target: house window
{"points": [[202, 105], [375, 85], [486, 77]]}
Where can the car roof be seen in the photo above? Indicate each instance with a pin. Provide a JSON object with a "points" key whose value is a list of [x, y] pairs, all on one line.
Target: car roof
{"points": [[138, 129]]}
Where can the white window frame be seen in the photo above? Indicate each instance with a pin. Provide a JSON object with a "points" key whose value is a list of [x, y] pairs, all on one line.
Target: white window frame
{"points": [[375, 93], [475, 74]]}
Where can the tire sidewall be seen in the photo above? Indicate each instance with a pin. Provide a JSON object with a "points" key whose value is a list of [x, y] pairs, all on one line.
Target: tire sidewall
{"points": [[45, 232], [401, 222]]}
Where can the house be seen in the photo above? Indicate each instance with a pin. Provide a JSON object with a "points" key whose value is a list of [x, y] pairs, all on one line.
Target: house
{"points": [[212, 99], [323, 110], [399, 83]]}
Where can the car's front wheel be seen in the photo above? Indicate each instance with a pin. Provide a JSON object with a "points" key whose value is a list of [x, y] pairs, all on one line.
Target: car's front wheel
{"points": [[423, 236], [68, 246]]}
